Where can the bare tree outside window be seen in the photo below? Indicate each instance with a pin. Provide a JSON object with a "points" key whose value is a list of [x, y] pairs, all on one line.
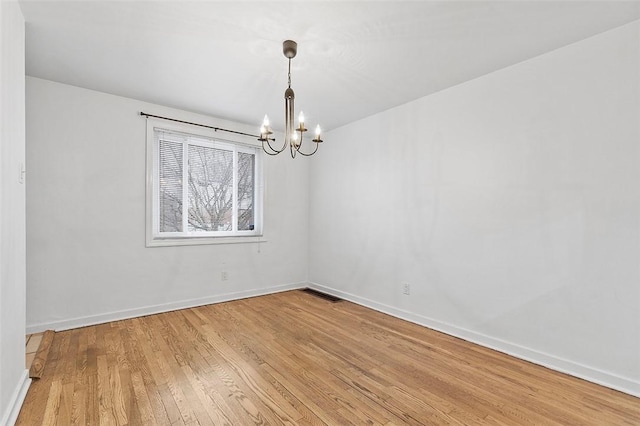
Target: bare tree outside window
{"points": [[210, 189]]}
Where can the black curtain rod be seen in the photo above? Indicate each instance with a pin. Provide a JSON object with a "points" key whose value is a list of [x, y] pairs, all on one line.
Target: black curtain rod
{"points": [[201, 125]]}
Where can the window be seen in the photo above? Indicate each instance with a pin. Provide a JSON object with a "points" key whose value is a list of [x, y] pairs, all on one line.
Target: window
{"points": [[203, 190]]}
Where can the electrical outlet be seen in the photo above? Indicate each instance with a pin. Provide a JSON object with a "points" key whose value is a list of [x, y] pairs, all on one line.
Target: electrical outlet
{"points": [[224, 275], [406, 289]]}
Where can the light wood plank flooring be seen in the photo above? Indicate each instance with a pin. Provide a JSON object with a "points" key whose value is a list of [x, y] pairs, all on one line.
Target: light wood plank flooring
{"points": [[293, 358]]}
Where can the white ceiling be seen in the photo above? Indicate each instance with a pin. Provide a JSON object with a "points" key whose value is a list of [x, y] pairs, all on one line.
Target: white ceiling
{"points": [[224, 58]]}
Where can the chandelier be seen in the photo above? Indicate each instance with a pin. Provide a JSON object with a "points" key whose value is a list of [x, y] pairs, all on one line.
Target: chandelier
{"points": [[293, 135]]}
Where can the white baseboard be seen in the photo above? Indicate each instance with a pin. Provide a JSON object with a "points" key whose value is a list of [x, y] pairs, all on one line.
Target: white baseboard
{"points": [[10, 416], [572, 368], [71, 323]]}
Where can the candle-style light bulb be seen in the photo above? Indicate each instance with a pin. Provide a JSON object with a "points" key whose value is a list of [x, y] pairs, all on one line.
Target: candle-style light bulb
{"points": [[263, 130], [318, 131], [301, 119], [265, 122]]}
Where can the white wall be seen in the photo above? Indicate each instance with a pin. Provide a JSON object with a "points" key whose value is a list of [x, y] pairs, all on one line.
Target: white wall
{"points": [[510, 204], [86, 255], [14, 380]]}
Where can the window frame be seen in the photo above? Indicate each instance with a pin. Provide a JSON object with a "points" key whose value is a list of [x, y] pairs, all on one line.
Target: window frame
{"points": [[154, 238]]}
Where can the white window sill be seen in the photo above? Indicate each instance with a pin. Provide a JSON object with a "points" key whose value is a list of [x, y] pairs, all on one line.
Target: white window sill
{"points": [[196, 241]]}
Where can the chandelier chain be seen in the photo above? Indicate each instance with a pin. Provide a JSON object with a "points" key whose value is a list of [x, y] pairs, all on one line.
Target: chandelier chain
{"points": [[289, 79]]}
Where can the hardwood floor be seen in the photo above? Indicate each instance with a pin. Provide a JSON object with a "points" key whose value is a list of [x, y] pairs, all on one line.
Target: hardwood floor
{"points": [[293, 358]]}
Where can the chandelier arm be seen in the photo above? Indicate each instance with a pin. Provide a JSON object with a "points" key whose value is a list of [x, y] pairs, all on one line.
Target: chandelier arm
{"points": [[309, 155], [299, 145], [272, 148], [271, 153]]}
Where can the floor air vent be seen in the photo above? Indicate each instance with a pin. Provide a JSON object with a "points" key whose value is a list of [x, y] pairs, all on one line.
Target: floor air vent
{"points": [[321, 295]]}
